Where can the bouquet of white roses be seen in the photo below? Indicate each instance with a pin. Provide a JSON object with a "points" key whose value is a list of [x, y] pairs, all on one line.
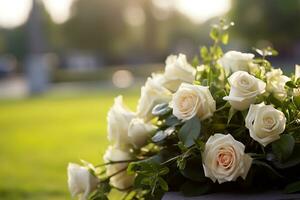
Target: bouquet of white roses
{"points": [[232, 122]]}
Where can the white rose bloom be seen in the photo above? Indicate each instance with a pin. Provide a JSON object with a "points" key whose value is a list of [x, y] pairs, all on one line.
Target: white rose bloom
{"points": [[224, 159], [81, 181], [121, 179], [118, 119], [234, 61], [139, 131], [178, 70], [297, 75], [244, 89], [297, 71], [190, 100], [265, 123], [276, 82], [152, 93]]}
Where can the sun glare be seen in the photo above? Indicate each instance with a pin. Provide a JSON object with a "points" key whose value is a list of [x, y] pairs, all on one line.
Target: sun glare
{"points": [[201, 10], [59, 10], [14, 12]]}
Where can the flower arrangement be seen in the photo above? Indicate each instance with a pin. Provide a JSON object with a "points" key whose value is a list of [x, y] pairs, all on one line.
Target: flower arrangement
{"points": [[232, 122]]}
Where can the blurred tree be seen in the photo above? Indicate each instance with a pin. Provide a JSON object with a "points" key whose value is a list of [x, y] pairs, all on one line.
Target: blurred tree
{"points": [[94, 25], [273, 20]]}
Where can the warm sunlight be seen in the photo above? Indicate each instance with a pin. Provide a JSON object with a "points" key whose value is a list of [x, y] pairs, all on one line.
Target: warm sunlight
{"points": [[59, 10], [14, 12], [201, 10]]}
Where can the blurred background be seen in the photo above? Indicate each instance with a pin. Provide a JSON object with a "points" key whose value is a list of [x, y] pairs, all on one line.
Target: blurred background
{"points": [[63, 61]]}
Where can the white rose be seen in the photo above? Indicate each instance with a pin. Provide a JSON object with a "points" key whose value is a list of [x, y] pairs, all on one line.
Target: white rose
{"points": [[152, 93], [139, 132], [265, 123], [120, 179], [234, 61], [276, 82], [178, 70], [244, 89], [297, 71], [190, 100], [296, 91], [224, 159], [81, 181], [118, 119]]}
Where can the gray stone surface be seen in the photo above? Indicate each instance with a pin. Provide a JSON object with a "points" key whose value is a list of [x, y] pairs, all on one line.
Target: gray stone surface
{"points": [[275, 195]]}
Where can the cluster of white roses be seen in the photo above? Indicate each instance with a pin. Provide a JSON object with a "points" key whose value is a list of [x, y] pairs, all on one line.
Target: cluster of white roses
{"points": [[128, 129], [224, 158]]}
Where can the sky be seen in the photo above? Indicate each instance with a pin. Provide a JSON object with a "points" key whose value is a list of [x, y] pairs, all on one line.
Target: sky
{"points": [[15, 12]]}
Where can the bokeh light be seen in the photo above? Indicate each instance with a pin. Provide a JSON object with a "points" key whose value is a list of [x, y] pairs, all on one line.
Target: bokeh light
{"points": [[122, 79], [14, 12]]}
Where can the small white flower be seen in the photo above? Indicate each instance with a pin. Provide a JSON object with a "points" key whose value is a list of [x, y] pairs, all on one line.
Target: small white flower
{"points": [[297, 71], [234, 61], [120, 178], [296, 91], [244, 89], [276, 82], [118, 119], [139, 131], [265, 123], [81, 181], [224, 159], [190, 100], [178, 70], [152, 93]]}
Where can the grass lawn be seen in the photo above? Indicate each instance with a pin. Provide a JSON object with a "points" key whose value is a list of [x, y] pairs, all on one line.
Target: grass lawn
{"points": [[40, 135]]}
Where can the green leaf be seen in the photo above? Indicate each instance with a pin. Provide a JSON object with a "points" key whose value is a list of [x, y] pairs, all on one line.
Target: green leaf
{"points": [[194, 170], [191, 189], [204, 53], [163, 184], [296, 100], [159, 136], [291, 84], [225, 38], [283, 148], [195, 61], [172, 121], [274, 101], [232, 112], [190, 131], [214, 33], [161, 110], [293, 160], [269, 169], [164, 171], [292, 188]]}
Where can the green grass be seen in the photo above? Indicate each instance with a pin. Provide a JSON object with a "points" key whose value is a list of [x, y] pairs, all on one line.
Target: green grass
{"points": [[40, 135]]}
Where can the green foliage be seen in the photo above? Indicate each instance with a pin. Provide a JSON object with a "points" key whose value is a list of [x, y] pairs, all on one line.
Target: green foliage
{"points": [[292, 187], [283, 148], [102, 191], [292, 161], [161, 110], [172, 159], [191, 188], [190, 131], [149, 176], [296, 101]]}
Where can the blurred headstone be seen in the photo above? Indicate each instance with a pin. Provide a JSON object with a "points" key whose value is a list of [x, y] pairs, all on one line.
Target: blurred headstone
{"points": [[37, 73], [37, 65]]}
